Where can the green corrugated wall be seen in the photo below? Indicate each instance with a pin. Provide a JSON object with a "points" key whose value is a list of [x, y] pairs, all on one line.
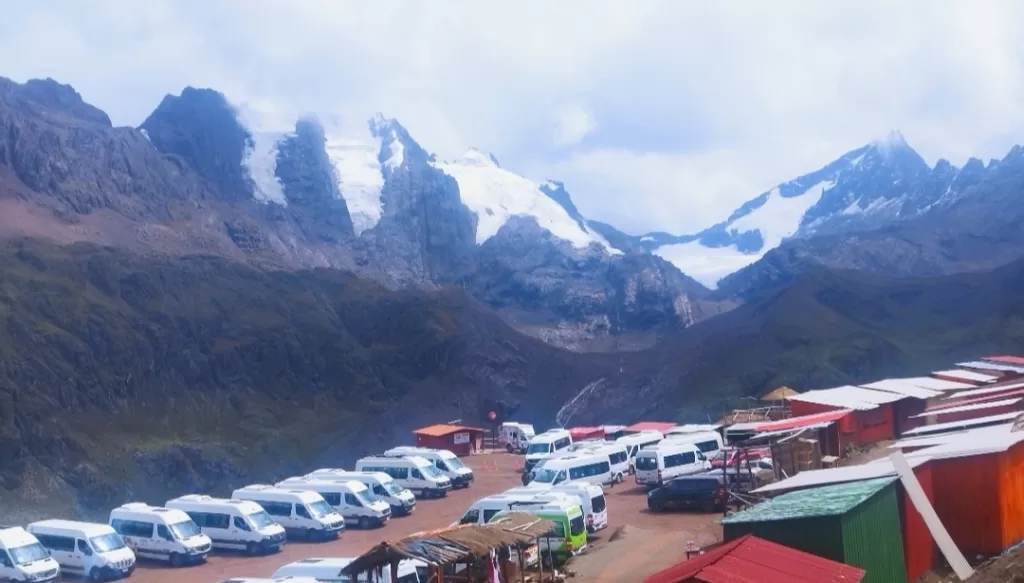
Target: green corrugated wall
{"points": [[872, 538], [821, 535]]}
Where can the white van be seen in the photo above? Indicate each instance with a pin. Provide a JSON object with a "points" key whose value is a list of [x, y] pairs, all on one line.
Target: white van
{"points": [[445, 461], [593, 468], [590, 496], [412, 472], [22, 558], [329, 571], [658, 464], [350, 498], [708, 442], [483, 510], [87, 549], [163, 534], [300, 512], [515, 437], [381, 486], [549, 442], [618, 458], [237, 525], [637, 441]]}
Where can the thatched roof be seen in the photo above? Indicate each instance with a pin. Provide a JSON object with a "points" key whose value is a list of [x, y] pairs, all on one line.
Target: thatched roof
{"points": [[780, 394], [453, 544]]}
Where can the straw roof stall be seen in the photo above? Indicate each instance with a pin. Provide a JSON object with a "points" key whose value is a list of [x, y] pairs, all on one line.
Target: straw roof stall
{"points": [[453, 544], [780, 394]]}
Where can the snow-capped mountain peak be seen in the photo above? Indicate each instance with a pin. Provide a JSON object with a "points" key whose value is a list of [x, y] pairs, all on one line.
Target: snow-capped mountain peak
{"points": [[478, 158], [893, 141]]}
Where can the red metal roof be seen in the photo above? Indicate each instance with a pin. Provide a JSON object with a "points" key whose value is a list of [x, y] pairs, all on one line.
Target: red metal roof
{"points": [[584, 432], [1006, 359], [803, 420], [993, 396], [753, 560], [661, 426]]}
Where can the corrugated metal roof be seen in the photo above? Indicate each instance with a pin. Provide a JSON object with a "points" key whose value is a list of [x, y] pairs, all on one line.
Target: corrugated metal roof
{"points": [[829, 500], [753, 560], [848, 397], [971, 407], [811, 478], [996, 440], [955, 425], [982, 365], [1006, 359], [441, 430], [937, 384], [613, 428], [744, 427], [791, 431], [993, 390], [803, 420], [662, 426], [969, 375], [1000, 396], [903, 387], [695, 427]]}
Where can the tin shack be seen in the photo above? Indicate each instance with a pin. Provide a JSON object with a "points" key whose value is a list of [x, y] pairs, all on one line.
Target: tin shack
{"points": [[856, 523], [458, 439]]}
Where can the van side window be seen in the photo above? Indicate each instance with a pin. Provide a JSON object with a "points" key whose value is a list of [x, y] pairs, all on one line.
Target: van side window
{"points": [[416, 475], [332, 498], [277, 508], [680, 459], [301, 511], [439, 464], [351, 500], [132, 528], [58, 543], [488, 515], [706, 446], [163, 532], [398, 473], [84, 548], [471, 517], [5, 560], [240, 524]]}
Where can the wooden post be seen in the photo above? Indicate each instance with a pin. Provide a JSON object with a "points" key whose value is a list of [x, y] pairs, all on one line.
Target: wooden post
{"points": [[725, 479], [394, 570]]}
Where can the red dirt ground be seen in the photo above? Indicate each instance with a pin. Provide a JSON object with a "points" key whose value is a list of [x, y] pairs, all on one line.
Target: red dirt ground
{"points": [[650, 543]]}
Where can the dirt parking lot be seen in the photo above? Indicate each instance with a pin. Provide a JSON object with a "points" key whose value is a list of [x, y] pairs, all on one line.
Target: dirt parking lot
{"points": [[649, 542]]}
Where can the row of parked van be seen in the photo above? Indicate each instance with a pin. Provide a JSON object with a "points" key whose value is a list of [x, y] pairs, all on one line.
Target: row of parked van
{"points": [[553, 458], [257, 519]]}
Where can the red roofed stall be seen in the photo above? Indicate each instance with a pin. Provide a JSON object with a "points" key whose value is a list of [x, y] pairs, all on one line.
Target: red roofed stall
{"points": [[458, 439], [662, 426], [749, 559]]}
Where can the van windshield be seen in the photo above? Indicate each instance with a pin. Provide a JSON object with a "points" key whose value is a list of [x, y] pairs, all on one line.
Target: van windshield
{"points": [[261, 519], [577, 526], [431, 471], [365, 500], [546, 476], [647, 463], [454, 463], [538, 448], [28, 554], [319, 508], [107, 542], [393, 488], [184, 530]]}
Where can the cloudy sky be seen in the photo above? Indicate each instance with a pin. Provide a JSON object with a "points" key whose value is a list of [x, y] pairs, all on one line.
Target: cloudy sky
{"points": [[658, 115]]}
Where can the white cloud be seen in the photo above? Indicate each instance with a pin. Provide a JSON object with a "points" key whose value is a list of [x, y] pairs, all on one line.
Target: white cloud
{"points": [[698, 106], [572, 124]]}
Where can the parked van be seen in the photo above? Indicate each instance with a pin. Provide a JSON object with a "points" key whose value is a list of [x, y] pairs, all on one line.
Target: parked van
{"points": [[237, 525], [569, 535], [483, 510], [164, 534], [546, 443], [329, 571], [445, 461], [618, 458], [412, 472], [591, 497], [708, 442], [637, 441], [658, 464], [301, 512], [381, 486], [350, 498], [593, 468], [87, 549], [515, 437], [22, 558]]}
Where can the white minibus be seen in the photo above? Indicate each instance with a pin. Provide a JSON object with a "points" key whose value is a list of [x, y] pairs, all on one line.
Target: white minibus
{"points": [[22, 558], [163, 534], [412, 472], [593, 468], [87, 549], [637, 441], [328, 570], [445, 461], [545, 444], [381, 486], [237, 525], [350, 498], [301, 512], [658, 464], [708, 442]]}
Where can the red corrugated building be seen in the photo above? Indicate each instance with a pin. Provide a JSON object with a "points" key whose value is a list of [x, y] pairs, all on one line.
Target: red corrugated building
{"points": [[751, 559], [872, 418], [978, 488], [458, 439]]}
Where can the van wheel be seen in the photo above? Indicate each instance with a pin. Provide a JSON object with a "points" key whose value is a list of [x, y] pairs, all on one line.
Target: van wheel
{"points": [[310, 534], [508, 447], [619, 478], [252, 549], [176, 560], [95, 574], [364, 522]]}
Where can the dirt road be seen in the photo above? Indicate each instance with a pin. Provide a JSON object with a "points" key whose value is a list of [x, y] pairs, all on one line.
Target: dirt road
{"points": [[626, 506]]}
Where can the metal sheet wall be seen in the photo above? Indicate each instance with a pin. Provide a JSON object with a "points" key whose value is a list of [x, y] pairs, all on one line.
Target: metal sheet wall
{"points": [[872, 539], [1011, 495], [967, 501], [918, 547], [821, 536]]}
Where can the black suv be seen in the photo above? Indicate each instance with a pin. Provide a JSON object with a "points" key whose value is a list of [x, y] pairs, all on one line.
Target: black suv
{"points": [[702, 491]]}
